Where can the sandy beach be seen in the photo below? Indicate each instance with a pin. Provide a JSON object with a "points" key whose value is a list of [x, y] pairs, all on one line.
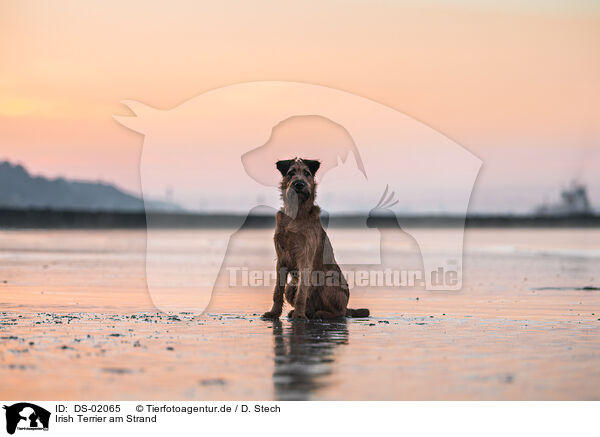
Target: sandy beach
{"points": [[77, 322]]}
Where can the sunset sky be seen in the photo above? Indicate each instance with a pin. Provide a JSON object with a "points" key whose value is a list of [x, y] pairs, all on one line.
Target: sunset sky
{"points": [[516, 83]]}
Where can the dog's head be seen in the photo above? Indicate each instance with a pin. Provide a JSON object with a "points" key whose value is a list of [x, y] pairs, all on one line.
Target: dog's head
{"points": [[298, 178]]}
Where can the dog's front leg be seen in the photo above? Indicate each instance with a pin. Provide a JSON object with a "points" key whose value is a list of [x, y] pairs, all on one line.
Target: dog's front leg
{"points": [[302, 294], [277, 307]]}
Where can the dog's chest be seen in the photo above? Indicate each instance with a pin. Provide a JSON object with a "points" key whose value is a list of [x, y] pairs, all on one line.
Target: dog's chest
{"points": [[295, 244]]}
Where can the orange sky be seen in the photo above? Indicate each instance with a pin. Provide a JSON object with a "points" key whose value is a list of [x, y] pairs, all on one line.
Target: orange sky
{"points": [[516, 84]]}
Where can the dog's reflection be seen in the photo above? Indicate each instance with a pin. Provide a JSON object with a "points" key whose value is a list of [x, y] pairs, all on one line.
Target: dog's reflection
{"points": [[304, 356]]}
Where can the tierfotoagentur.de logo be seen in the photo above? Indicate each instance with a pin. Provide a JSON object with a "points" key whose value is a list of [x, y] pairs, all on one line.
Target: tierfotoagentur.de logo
{"points": [[385, 162], [24, 416]]}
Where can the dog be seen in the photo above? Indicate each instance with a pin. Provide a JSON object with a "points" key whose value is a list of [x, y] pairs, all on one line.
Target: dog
{"points": [[317, 289]]}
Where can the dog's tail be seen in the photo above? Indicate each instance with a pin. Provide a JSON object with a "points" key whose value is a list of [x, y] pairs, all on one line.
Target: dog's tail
{"points": [[360, 312]]}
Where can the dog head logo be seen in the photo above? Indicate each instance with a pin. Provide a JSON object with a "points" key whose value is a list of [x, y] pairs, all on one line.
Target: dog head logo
{"points": [[26, 416], [218, 151]]}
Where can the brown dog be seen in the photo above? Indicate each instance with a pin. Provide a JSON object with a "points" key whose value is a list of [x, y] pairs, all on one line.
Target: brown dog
{"points": [[317, 289]]}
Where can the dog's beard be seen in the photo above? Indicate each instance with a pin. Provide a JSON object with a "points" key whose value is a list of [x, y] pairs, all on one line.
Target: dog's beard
{"points": [[292, 202]]}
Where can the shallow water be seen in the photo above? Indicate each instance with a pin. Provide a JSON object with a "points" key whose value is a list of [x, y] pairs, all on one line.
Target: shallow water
{"points": [[77, 322]]}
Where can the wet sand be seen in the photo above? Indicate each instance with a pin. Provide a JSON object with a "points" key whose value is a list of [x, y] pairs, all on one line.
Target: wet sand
{"points": [[77, 322]]}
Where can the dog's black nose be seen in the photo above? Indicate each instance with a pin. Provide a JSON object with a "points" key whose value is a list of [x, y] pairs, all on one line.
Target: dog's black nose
{"points": [[299, 185]]}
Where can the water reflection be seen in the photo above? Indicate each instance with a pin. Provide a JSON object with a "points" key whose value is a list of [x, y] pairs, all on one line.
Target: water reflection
{"points": [[304, 356]]}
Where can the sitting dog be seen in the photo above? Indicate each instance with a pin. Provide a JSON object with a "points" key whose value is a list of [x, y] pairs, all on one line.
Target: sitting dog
{"points": [[317, 289]]}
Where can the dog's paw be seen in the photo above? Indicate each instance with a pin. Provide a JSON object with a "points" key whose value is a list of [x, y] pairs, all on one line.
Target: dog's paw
{"points": [[299, 316], [270, 315]]}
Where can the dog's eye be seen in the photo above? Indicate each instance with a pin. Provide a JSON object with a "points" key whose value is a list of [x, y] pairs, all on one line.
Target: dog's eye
{"points": [[306, 173], [291, 172]]}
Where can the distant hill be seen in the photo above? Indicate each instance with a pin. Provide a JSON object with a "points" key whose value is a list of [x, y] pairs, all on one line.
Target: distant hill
{"points": [[20, 190]]}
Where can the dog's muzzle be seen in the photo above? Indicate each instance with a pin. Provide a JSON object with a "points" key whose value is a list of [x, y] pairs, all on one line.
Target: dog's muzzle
{"points": [[299, 186]]}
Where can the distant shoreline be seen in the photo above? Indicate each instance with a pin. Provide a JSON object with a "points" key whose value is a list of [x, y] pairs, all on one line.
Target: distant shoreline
{"points": [[56, 219]]}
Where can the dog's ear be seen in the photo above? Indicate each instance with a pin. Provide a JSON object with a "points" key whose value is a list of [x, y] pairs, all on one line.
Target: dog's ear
{"points": [[313, 165], [284, 166]]}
